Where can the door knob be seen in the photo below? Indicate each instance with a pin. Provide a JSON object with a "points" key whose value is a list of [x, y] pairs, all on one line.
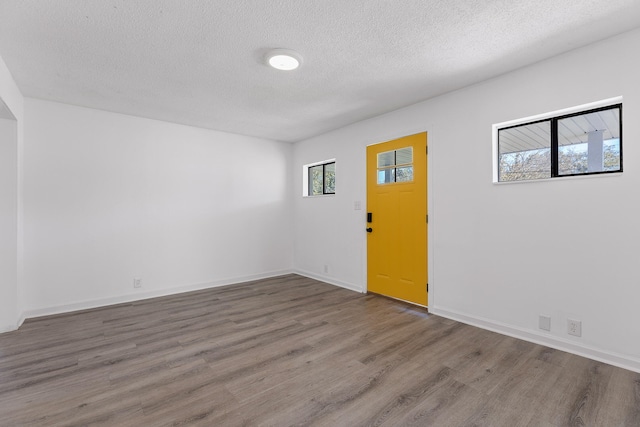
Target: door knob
{"points": [[369, 230]]}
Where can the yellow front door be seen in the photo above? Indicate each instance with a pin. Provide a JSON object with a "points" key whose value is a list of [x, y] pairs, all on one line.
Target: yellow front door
{"points": [[397, 218]]}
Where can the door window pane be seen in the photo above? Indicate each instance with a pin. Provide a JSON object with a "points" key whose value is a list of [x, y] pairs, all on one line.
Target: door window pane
{"points": [[386, 159], [395, 166], [386, 175], [404, 156], [404, 174]]}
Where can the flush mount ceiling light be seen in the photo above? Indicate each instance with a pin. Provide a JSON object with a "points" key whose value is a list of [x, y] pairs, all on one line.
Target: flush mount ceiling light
{"points": [[284, 59]]}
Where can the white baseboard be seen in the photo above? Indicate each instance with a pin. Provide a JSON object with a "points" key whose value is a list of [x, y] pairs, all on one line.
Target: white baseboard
{"points": [[330, 280], [85, 305], [12, 327], [7, 328], [21, 319], [611, 358]]}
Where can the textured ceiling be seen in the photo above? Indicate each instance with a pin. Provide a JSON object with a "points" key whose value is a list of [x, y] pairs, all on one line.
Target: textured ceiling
{"points": [[200, 62]]}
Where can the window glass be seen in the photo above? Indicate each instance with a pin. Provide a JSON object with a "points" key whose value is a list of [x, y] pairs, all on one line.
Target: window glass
{"points": [[315, 180], [404, 174], [321, 179], [395, 166], [386, 159], [585, 142], [589, 143], [525, 152], [404, 156], [386, 175], [330, 178]]}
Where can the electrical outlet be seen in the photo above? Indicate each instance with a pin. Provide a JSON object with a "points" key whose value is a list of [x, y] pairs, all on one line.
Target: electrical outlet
{"points": [[326, 268], [137, 282], [544, 323], [574, 327]]}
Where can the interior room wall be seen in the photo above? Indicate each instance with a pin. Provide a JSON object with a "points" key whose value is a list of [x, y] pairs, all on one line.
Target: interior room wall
{"points": [[11, 137], [110, 198], [8, 224], [500, 255]]}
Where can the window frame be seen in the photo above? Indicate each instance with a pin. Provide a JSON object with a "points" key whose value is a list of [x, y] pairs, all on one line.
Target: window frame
{"points": [[308, 181], [553, 119]]}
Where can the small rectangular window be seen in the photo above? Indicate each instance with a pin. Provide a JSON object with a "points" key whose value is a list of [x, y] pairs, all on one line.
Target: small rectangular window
{"points": [[580, 143], [321, 179]]}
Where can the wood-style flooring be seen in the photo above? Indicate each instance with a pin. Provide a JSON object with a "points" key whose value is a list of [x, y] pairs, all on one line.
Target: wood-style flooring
{"points": [[294, 351]]}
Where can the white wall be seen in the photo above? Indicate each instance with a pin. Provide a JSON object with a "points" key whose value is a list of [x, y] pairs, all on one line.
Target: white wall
{"points": [[11, 137], [110, 197], [8, 224], [501, 254]]}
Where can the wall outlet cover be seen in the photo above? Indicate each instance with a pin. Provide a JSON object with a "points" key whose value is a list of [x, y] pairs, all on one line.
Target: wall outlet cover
{"points": [[574, 327], [544, 323]]}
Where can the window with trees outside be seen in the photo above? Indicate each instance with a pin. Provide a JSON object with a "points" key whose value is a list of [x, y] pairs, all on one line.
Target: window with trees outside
{"points": [[321, 179], [580, 143]]}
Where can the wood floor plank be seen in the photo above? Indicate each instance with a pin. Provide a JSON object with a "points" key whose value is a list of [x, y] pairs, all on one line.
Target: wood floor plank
{"points": [[291, 350]]}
